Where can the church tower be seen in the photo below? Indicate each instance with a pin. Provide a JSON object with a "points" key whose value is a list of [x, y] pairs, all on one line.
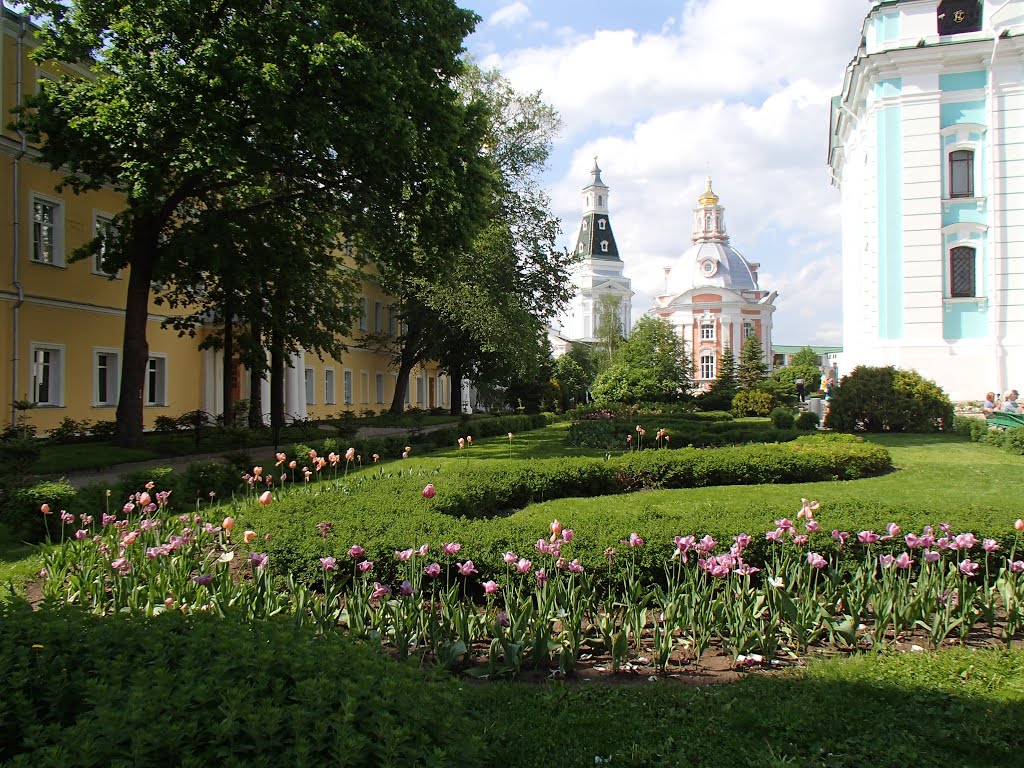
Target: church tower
{"points": [[598, 273]]}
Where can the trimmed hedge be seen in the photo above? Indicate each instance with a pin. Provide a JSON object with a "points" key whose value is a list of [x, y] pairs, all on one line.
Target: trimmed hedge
{"points": [[384, 512], [611, 434], [198, 690]]}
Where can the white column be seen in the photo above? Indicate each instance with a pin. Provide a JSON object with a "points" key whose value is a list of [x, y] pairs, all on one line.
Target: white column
{"points": [[467, 406], [295, 387], [210, 381]]}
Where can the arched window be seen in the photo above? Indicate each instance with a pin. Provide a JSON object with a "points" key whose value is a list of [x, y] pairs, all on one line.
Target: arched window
{"points": [[604, 246], [600, 200], [961, 173], [707, 364], [961, 272]]}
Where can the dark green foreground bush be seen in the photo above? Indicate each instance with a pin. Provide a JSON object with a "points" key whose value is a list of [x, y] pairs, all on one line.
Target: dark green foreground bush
{"points": [[201, 691]]}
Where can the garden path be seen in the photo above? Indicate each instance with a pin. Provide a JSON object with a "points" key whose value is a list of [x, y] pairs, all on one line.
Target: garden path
{"points": [[113, 473]]}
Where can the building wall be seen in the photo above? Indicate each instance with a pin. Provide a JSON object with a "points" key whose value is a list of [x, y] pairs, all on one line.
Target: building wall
{"points": [[912, 98]]}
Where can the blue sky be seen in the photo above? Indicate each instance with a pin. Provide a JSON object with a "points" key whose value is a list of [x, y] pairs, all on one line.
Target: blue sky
{"points": [[666, 92]]}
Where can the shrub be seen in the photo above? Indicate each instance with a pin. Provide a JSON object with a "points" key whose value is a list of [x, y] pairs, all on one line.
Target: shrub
{"points": [[19, 509], [69, 430], [888, 400], [594, 433], [279, 687], [203, 478], [752, 402], [807, 421], [782, 418], [18, 455], [165, 424], [104, 430], [1013, 441]]}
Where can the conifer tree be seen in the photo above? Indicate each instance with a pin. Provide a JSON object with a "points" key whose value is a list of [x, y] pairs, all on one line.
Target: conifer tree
{"points": [[752, 368]]}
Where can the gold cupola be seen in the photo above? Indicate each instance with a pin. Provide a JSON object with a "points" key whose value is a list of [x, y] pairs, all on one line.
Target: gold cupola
{"points": [[709, 197]]}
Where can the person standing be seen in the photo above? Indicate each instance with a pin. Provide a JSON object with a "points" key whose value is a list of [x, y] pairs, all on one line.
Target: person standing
{"points": [[800, 391]]}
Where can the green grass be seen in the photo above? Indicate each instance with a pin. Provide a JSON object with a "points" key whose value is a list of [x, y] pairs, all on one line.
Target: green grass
{"points": [[19, 564]]}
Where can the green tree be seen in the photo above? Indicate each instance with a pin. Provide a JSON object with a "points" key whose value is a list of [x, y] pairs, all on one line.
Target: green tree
{"points": [[753, 370], [651, 366], [888, 400], [608, 328], [583, 354], [348, 106], [571, 380]]}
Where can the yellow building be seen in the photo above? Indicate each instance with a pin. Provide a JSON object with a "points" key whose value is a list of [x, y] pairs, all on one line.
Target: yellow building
{"points": [[62, 323]]}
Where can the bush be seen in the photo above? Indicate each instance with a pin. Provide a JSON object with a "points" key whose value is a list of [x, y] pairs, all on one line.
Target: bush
{"points": [[18, 455], [1013, 441], [807, 421], [592, 433], [284, 696], [19, 509], [782, 418], [104, 430], [752, 402], [203, 478], [69, 430], [165, 424], [888, 400]]}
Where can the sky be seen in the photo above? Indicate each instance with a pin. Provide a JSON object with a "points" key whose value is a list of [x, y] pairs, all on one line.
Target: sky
{"points": [[665, 92]]}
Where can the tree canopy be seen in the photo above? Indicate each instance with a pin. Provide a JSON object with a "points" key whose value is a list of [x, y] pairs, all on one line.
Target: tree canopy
{"points": [[651, 366], [348, 106]]}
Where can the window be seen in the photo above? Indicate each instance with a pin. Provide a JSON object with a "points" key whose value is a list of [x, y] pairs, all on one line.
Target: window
{"points": [[604, 246], [348, 387], [707, 364], [961, 173], [748, 330], [103, 227], [420, 396], [378, 316], [580, 249], [364, 387], [362, 313], [961, 272], [156, 381], [47, 247], [600, 201], [602, 224], [105, 377], [48, 375], [380, 388], [707, 331], [391, 321], [329, 386]]}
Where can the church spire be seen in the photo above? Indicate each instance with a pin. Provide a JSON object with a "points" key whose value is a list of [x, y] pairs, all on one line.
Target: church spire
{"points": [[595, 239], [709, 218]]}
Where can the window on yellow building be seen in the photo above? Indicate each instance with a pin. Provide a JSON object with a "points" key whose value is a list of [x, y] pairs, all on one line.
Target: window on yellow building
{"points": [[378, 316], [47, 239], [380, 388], [106, 375], [103, 226], [364, 387], [329, 386], [156, 381], [48, 374], [348, 387], [362, 313], [310, 387]]}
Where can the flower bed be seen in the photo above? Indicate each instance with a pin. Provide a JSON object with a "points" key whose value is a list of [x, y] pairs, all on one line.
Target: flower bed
{"points": [[547, 609]]}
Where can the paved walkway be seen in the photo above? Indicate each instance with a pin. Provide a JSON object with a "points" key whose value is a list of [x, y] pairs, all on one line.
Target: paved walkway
{"points": [[110, 475]]}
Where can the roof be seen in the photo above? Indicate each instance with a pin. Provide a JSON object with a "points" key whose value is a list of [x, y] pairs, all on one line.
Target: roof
{"points": [[595, 230], [711, 264]]}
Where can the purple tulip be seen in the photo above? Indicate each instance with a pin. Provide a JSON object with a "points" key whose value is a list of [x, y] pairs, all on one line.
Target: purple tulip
{"points": [[406, 588], [432, 570], [355, 551], [203, 579], [258, 560], [365, 567]]}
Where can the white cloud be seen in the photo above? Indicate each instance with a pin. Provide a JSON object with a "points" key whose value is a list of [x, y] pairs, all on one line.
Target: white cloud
{"points": [[513, 13]]}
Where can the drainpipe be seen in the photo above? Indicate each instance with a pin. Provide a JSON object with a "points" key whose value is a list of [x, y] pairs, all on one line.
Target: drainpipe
{"points": [[998, 280], [16, 218]]}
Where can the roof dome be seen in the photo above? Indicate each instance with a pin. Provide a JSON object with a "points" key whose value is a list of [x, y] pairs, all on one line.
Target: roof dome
{"points": [[711, 264], [710, 261]]}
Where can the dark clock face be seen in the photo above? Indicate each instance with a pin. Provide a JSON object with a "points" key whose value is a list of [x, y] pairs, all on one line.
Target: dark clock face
{"points": [[957, 16]]}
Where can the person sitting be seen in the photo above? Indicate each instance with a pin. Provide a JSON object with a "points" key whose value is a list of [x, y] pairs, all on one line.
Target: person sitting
{"points": [[990, 404], [1010, 401]]}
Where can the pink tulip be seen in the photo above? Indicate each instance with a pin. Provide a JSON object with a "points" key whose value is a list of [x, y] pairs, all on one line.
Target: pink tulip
{"points": [[509, 557], [379, 591], [451, 549], [801, 540], [867, 537], [350, 454], [903, 561], [815, 560], [366, 566], [490, 587], [433, 570], [930, 556], [893, 529], [913, 540], [523, 565], [144, 499], [812, 526], [785, 524], [428, 491], [404, 555], [81, 533], [556, 527], [1017, 566], [990, 545], [329, 563], [635, 541], [355, 551], [575, 567], [422, 551], [66, 517], [1018, 525], [568, 534], [886, 561], [777, 535], [969, 568], [542, 577], [543, 546], [405, 454], [466, 568], [45, 509], [966, 541], [266, 497], [228, 523]]}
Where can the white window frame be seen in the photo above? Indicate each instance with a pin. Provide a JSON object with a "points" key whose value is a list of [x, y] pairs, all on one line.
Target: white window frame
{"points": [[329, 387], [961, 237], [602, 224], [379, 384], [707, 330], [159, 399], [961, 133], [57, 259], [604, 246], [364, 387], [112, 376], [99, 219], [55, 395], [309, 383], [347, 384], [708, 367]]}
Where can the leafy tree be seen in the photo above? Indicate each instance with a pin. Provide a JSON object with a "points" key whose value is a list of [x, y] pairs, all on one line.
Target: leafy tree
{"points": [[583, 354], [804, 364], [347, 105], [608, 328], [888, 400], [725, 386], [571, 381], [652, 366], [752, 368]]}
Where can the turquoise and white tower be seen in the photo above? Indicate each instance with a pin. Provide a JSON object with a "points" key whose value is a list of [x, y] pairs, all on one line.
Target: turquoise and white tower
{"points": [[927, 148]]}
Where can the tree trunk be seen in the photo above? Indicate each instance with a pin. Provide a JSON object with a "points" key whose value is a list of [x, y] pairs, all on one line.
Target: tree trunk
{"points": [[256, 377], [401, 385], [455, 373], [135, 349], [229, 370], [276, 391]]}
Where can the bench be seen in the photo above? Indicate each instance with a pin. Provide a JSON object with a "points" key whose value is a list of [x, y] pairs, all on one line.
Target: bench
{"points": [[1005, 420]]}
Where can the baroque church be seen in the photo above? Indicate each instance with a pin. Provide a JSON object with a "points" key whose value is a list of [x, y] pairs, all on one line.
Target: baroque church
{"points": [[712, 296]]}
